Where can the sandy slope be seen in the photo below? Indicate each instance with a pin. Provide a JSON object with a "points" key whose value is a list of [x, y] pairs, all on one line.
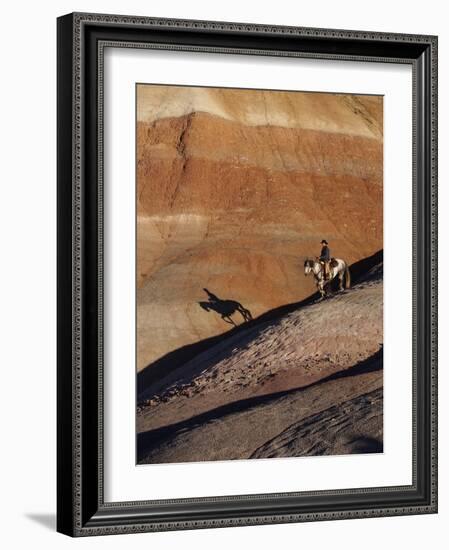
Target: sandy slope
{"points": [[277, 364]]}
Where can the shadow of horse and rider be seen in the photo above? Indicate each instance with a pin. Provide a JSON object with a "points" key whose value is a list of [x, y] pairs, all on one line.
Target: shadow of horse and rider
{"points": [[337, 270], [225, 308]]}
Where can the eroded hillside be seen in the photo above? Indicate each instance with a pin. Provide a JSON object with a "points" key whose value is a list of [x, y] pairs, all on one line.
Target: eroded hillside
{"points": [[234, 191], [308, 382]]}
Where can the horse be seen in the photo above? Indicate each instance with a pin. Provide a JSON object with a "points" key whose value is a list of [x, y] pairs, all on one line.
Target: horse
{"points": [[225, 308], [337, 268]]}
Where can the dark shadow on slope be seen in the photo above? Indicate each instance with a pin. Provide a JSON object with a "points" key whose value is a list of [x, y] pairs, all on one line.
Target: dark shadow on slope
{"points": [[367, 445], [174, 359], [368, 267], [152, 438]]}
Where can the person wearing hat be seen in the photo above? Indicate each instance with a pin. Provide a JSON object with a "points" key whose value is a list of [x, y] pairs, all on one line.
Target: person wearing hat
{"points": [[325, 258]]}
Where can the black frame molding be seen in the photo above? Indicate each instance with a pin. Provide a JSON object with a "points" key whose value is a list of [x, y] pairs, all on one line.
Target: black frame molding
{"points": [[81, 510]]}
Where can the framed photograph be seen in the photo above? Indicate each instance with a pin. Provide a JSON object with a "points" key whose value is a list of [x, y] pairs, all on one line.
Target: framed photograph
{"points": [[247, 285]]}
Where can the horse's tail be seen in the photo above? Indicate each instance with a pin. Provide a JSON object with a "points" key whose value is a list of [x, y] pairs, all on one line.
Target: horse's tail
{"points": [[347, 277]]}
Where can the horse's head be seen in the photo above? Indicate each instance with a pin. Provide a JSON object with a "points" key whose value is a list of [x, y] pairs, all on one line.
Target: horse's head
{"points": [[205, 305], [308, 266]]}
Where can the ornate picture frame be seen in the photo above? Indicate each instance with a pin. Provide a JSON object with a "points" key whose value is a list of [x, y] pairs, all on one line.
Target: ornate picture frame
{"points": [[81, 507]]}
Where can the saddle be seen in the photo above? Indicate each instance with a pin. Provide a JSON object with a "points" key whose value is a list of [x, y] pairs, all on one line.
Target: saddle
{"points": [[327, 266]]}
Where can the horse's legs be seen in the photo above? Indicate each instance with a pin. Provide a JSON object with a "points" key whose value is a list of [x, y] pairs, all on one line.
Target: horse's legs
{"points": [[321, 289], [241, 310], [228, 319], [245, 313], [340, 280]]}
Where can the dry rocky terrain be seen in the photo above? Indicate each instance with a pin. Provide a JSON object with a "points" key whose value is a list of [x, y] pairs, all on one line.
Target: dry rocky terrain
{"points": [[303, 383]]}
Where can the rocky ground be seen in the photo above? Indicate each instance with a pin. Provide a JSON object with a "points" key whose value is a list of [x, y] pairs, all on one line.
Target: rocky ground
{"points": [[308, 382]]}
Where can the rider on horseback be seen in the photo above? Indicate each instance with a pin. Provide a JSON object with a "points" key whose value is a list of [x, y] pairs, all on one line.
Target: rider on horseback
{"points": [[325, 269], [325, 258]]}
